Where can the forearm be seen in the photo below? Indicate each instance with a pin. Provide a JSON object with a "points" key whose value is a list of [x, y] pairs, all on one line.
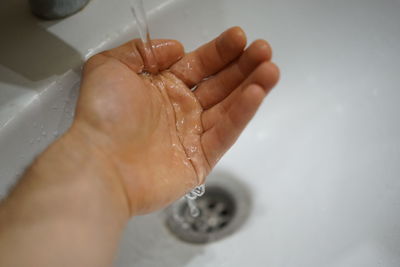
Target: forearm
{"points": [[67, 210]]}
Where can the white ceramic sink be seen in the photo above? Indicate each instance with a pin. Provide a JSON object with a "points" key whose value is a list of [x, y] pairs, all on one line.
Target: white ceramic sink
{"points": [[321, 158]]}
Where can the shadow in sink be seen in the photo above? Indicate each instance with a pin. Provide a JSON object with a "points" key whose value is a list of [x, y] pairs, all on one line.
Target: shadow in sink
{"points": [[28, 49], [147, 242]]}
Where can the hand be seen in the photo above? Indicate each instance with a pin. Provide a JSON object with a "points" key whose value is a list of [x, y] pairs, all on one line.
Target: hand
{"points": [[159, 137]]}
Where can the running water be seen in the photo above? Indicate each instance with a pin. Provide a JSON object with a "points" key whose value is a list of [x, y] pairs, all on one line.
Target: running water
{"points": [[141, 20], [198, 191], [151, 63]]}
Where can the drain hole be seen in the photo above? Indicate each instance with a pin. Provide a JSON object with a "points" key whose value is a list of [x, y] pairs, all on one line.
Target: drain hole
{"points": [[211, 205], [222, 210], [225, 212], [222, 225]]}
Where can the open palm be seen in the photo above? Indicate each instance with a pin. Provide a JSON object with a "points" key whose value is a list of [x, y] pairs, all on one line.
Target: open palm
{"points": [[160, 136]]}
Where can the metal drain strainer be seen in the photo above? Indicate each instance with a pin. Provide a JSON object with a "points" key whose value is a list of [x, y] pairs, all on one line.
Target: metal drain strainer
{"points": [[223, 209]]}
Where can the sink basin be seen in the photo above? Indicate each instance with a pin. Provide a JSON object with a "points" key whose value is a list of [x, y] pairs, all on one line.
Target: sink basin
{"points": [[321, 157]]}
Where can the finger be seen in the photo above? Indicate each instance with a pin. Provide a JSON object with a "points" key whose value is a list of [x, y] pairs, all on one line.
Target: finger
{"points": [[265, 75], [212, 91], [132, 54], [218, 139], [211, 57]]}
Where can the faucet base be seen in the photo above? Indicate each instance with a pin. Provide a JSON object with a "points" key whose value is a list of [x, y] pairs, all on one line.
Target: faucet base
{"points": [[56, 9]]}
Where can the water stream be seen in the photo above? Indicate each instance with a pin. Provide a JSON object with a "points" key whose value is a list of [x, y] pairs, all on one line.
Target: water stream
{"points": [[151, 63], [141, 21]]}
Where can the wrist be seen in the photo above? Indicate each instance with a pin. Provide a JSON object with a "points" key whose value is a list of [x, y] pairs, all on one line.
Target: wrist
{"points": [[70, 198], [90, 162], [74, 175]]}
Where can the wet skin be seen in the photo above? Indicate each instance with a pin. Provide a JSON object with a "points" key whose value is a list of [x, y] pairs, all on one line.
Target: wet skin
{"points": [[162, 138]]}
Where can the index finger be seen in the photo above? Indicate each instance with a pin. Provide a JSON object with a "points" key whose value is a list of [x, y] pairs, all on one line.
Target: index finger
{"points": [[132, 54], [210, 57]]}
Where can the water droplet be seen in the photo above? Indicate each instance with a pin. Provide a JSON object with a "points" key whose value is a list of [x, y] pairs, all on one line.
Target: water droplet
{"points": [[38, 139], [193, 208], [55, 133], [44, 133], [193, 149]]}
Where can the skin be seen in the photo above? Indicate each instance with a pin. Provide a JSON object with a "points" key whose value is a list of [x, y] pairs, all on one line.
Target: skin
{"points": [[138, 142]]}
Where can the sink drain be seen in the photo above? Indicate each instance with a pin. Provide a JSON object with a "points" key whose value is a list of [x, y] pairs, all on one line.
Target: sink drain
{"points": [[223, 209]]}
